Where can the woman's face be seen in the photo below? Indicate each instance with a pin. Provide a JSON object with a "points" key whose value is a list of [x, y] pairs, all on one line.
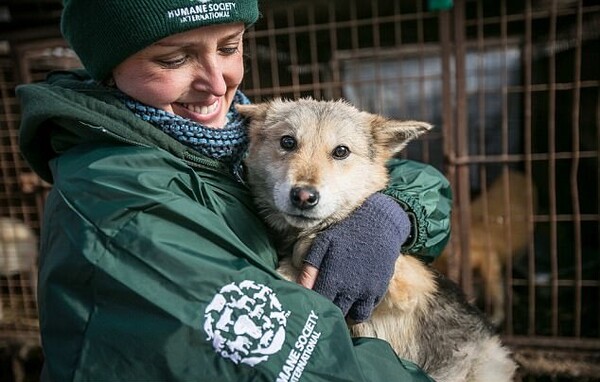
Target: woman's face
{"points": [[193, 74]]}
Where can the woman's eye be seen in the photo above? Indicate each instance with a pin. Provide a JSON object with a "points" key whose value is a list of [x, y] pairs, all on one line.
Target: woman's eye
{"points": [[287, 143], [229, 50], [173, 62], [341, 152]]}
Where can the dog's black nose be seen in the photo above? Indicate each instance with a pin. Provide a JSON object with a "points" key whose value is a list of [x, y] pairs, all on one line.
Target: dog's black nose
{"points": [[304, 197]]}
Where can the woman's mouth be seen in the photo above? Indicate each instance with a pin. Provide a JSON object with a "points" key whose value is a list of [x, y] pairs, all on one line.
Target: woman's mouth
{"points": [[208, 115], [202, 110]]}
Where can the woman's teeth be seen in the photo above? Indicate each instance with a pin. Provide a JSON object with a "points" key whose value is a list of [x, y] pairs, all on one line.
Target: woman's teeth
{"points": [[201, 109]]}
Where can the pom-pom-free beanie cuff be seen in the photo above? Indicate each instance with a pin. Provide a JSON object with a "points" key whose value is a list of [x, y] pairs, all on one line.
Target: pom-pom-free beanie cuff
{"points": [[103, 33]]}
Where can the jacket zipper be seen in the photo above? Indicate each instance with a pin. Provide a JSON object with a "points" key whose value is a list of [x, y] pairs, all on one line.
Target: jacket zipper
{"points": [[113, 135]]}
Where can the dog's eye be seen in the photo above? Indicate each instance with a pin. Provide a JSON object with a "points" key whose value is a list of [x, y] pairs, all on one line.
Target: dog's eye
{"points": [[341, 152], [287, 142]]}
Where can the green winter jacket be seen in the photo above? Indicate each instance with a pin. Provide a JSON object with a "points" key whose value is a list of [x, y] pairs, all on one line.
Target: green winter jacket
{"points": [[155, 267]]}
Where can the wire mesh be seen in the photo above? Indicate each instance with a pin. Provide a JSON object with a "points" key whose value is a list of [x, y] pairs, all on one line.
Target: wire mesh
{"points": [[512, 88]]}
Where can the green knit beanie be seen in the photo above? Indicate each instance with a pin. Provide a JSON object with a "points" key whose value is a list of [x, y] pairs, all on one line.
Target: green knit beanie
{"points": [[103, 33]]}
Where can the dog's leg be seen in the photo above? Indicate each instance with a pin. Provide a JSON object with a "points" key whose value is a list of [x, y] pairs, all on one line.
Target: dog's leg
{"points": [[493, 281], [397, 317]]}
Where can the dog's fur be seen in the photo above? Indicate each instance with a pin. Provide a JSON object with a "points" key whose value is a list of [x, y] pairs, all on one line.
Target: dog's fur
{"points": [[18, 269], [498, 232], [423, 316]]}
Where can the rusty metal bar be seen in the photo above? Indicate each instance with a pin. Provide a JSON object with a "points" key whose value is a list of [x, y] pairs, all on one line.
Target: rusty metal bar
{"points": [[273, 50], [474, 159], [398, 40], [462, 145], [559, 282], [334, 44], [598, 195], [552, 169], [293, 52], [448, 129], [508, 266], [528, 115], [554, 342], [378, 79], [423, 102], [252, 54], [313, 45], [575, 171], [481, 135], [354, 24]]}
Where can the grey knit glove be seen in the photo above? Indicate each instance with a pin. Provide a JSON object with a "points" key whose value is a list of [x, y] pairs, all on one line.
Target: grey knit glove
{"points": [[356, 257]]}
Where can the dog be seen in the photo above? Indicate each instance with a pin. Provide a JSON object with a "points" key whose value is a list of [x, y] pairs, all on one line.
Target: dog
{"points": [[340, 151], [493, 222], [18, 267]]}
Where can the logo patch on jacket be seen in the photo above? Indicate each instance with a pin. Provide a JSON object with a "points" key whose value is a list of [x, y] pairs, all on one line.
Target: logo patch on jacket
{"points": [[245, 322]]}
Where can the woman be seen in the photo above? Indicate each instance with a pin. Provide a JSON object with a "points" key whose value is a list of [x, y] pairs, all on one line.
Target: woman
{"points": [[154, 265]]}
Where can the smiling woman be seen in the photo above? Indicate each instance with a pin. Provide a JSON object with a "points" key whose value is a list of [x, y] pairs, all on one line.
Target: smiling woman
{"points": [[154, 262], [194, 74]]}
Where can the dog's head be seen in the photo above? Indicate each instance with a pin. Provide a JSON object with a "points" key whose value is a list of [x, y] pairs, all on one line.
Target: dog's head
{"points": [[312, 162]]}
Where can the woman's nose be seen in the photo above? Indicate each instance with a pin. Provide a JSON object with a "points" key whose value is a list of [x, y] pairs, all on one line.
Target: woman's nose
{"points": [[209, 78]]}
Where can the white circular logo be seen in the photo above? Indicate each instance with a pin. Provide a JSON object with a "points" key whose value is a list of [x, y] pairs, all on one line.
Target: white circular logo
{"points": [[245, 322]]}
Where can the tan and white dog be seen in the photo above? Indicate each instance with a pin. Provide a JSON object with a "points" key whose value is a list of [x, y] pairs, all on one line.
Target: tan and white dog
{"points": [[499, 235], [341, 152]]}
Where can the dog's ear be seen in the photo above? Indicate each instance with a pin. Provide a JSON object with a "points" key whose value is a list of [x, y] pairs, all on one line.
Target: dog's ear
{"points": [[395, 134], [255, 112]]}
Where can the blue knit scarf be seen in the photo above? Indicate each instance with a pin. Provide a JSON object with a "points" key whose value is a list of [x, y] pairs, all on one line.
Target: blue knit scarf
{"points": [[227, 144]]}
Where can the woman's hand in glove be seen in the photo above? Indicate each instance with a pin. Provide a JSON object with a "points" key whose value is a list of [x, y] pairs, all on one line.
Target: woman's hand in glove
{"points": [[352, 262]]}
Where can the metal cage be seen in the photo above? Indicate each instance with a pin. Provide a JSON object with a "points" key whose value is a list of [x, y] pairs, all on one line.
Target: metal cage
{"points": [[513, 90]]}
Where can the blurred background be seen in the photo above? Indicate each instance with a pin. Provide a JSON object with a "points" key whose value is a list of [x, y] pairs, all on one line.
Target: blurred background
{"points": [[512, 87]]}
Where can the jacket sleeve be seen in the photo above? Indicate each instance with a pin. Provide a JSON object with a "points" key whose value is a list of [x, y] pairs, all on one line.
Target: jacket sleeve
{"points": [[425, 194], [151, 272]]}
